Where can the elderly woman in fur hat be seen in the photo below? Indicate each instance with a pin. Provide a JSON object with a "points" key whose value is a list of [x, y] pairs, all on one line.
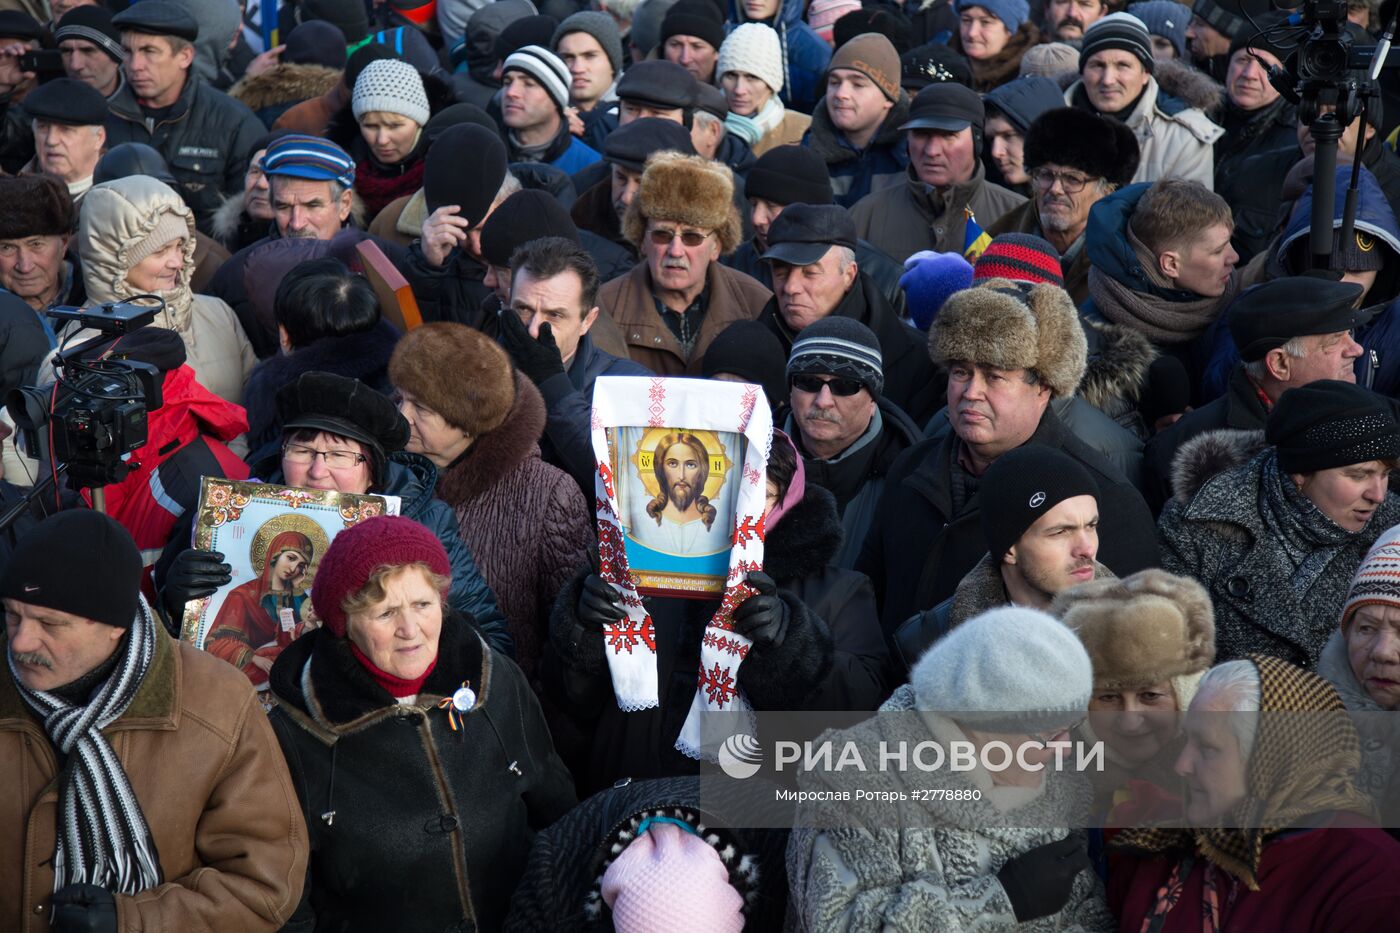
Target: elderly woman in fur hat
{"points": [[480, 421], [1151, 637], [1362, 660], [1278, 837]]}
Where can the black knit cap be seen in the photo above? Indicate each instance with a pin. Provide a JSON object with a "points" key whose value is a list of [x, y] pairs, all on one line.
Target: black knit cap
{"points": [[91, 24], [77, 545], [789, 175], [458, 115], [1121, 31], [750, 350], [349, 15], [158, 18], [803, 233], [527, 215], [16, 24], [631, 145], [1330, 423], [888, 22], [698, 18], [659, 83], [444, 181], [1259, 39], [346, 407], [1028, 481], [528, 30], [315, 42], [931, 63], [1267, 316], [66, 101]]}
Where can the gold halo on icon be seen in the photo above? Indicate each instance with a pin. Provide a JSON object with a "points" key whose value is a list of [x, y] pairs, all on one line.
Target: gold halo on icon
{"points": [[291, 521]]}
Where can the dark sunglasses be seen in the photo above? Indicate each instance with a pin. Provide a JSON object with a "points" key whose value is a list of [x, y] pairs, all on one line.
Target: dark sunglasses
{"points": [[691, 238], [838, 386]]}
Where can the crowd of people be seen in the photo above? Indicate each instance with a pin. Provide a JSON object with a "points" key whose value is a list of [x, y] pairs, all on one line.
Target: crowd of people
{"points": [[1078, 436]]}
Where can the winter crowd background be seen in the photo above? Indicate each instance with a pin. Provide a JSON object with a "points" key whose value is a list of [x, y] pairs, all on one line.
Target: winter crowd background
{"points": [[1071, 442]]}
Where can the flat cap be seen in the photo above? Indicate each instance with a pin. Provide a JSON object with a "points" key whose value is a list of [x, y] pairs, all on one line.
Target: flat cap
{"points": [[66, 101], [158, 18], [629, 146], [946, 107], [1267, 316], [711, 100], [803, 233], [658, 83]]}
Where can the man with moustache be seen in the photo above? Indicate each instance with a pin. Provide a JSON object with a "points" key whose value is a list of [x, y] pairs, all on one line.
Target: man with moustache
{"points": [[1066, 20], [1042, 531], [845, 429]]}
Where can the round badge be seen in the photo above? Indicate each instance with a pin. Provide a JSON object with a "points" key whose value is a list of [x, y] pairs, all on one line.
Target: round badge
{"points": [[1037, 500], [464, 699]]}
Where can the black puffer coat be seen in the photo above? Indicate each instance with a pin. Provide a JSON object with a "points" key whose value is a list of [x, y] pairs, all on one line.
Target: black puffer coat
{"points": [[832, 658], [568, 858], [414, 826]]}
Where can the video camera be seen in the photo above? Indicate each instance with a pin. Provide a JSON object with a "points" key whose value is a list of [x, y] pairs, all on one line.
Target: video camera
{"points": [[1331, 79], [95, 413]]}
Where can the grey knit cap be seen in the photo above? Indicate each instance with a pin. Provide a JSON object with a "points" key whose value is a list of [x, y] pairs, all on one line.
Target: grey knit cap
{"points": [[389, 85], [839, 346], [1012, 670], [600, 26]]}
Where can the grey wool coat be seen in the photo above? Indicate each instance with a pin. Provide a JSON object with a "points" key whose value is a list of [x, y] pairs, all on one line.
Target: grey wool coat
{"points": [[928, 866], [1267, 600]]}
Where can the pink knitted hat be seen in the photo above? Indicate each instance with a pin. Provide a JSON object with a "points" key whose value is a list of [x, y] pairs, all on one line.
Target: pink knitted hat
{"points": [[823, 14], [669, 879], [359, 551]]}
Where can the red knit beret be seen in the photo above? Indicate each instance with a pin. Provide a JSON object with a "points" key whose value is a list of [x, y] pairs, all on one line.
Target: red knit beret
{"points": [[356, 553]]}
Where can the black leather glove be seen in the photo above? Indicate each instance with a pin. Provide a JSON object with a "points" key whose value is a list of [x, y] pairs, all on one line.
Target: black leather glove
{"points": [[763, 618], [1038, 883], [538, 358], [193, 573], [83, 908], [598, 604]]}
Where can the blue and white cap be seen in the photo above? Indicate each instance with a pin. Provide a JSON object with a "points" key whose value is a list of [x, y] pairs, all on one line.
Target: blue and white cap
{"points": [[298, 156]]}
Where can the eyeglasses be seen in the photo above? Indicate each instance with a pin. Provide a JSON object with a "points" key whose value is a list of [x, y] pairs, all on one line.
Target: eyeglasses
{"points": [[838, 386], [335, 459], [1073, 183], [690, 238]]}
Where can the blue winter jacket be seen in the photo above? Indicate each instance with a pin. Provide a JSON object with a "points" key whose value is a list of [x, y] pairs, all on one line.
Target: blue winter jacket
{"points": [[805, 55], [1379, 364]]}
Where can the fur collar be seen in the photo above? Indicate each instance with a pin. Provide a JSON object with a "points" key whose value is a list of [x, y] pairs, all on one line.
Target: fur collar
{"points": [[1118, 366], [1189, 85], [494, 456], [1203, 457], [319, 682], [284, 83], [807, 538], [826, 140], [980, 590]]}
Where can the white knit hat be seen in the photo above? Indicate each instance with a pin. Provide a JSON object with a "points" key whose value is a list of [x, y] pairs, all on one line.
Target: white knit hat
{"points": [[1010, 670], [545, 67], [390, 86], [754, 49]]}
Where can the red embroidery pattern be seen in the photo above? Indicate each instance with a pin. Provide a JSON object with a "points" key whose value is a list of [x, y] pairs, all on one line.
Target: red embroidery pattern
{"points": [[605, 473], [656, 410], [718, 684], [746, 406], [746, 529], [730, 646], [627, 634]]}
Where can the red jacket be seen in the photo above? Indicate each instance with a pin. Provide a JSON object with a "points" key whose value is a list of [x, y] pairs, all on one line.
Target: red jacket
{"points": [[184, 441], [1331, 879]]}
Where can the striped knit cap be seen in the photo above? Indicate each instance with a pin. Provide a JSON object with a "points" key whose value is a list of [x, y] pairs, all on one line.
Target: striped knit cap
{"points": [[299, 156], [1377, 580], [839, 346], [1021, 257], [545, 67]]}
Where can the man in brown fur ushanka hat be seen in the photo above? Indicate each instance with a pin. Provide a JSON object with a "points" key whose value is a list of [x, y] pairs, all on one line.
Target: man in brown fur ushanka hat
{"points": [[678, 298]]}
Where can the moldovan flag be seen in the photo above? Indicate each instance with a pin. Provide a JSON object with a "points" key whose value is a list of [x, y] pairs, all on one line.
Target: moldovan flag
{"points": [[975, 240]]}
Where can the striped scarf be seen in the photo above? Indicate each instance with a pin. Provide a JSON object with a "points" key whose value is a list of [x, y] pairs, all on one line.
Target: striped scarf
{"points": [[103, 838]]}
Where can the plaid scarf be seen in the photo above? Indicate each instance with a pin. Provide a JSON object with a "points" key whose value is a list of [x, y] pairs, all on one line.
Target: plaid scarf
{"points": [[1300, 766], [103, 838]]}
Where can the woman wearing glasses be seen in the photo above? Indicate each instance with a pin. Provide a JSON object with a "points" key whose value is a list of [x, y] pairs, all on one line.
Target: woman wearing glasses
{"points": [[339, 434]]}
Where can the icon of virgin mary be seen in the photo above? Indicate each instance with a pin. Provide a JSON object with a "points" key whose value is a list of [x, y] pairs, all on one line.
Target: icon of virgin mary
{"points": [[261, 617]]}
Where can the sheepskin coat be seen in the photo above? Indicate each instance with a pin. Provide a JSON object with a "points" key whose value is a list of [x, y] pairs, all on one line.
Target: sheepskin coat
{"points": [[525, 521], [1266, 600], [1175, 137], [852, 867], [116, 217]]}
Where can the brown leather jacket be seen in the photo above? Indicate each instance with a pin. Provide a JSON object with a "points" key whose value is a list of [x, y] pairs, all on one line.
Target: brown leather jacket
{"points": [[627, 302], [213, 785]]}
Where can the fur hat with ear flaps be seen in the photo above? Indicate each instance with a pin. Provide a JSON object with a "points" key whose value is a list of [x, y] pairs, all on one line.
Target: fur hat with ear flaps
{"points": [[685, 189], [1100, 147], [1142, 630], [1001, 324]]}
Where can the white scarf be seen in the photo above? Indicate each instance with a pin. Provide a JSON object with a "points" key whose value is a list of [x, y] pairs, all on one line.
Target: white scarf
{"points": [[627, 401]]}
